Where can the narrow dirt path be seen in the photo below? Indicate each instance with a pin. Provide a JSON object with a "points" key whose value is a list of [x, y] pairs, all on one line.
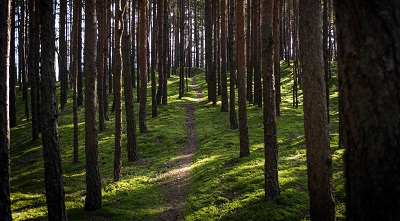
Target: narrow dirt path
{"points": [[174, 182]]}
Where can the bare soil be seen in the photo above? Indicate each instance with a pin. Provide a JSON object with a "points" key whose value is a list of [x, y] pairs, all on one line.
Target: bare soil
{"points": [[175, 180]]}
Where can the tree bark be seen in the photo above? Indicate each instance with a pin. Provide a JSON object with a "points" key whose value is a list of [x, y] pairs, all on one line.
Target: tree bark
{"points": [[143, 66], [368, 38], [270, 135], [241, 59], [13, 69], [224, 83], [232, 70], [101, 64], [319, 161], [118, 30], [277, 37], [75, 80], [210, 73], [62, 61], [50, 137], [93, 181], [32, 69], [5, 203]]}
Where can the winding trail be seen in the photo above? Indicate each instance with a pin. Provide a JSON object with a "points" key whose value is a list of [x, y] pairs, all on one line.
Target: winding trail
{"points": [[174, 182]]}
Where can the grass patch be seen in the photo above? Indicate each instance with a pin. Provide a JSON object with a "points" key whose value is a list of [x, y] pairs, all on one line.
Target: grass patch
{"points": [[222, 186]]}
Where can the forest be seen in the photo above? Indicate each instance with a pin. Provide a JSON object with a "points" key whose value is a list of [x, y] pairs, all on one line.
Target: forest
{"points": [[199, 110]]}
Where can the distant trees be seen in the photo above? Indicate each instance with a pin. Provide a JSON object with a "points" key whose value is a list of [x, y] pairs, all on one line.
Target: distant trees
{"points": [[368, 38], [5, 25], [319, 160], [50, 137], [93, 181]]}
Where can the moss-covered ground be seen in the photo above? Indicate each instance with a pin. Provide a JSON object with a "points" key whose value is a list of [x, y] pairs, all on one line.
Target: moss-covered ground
{"points": [[222, 186]]}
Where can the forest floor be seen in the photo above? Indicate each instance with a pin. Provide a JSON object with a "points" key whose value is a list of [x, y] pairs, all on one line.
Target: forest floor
{"points": [[174, 182]]}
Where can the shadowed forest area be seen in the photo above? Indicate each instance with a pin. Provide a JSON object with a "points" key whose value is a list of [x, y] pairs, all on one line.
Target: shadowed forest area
{"points": [[199, 110]]}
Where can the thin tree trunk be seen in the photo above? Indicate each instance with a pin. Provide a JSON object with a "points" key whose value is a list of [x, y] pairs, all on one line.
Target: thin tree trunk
{"points": [[249, 52], [232, 71], [118, 30], [62, 61], [256, 57], [277, 37], [93, 181], [80, 72], [13, 69], [243, 129], [210, 73], [100, 64], [319, 160], [75, 81], [143, 66], [51, 147], [224, 83], [154, 112], [22, 59], [5, 25]]}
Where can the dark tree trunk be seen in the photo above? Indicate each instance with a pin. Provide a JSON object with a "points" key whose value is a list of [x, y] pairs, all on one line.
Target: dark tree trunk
{"points": [[181, 48], [319, 161], [325, 52], [166, 68], [51, 147], [154, 103], [256, 51], [128, 92], [143, 66], [210, 73], [224, 83], [32, 69], [93, 181], [22, 58], [270, 135], [101, 64], [277, 37], [62, 61], [5, 203], [368, 41], [13, 69], [133, 40], [232, 71], [241, 59], [75, 80], [249, 51], [118, 29], [80, 73], [160, 48]]}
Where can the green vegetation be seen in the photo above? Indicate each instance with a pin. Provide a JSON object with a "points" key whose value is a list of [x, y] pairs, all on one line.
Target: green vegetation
{"points": [[222, 186]]}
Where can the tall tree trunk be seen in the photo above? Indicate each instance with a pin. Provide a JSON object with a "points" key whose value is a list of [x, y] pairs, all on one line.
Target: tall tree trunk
{"points": [[224, 83], [270, 135], [128, 93], [243, 129], [210, 73], [154, 103], [22, 58], [13, 69], [277, 37], [93, 181], [118, 30], [319, 160], [166, 68], [160, 48], [76, 73], [80, 72], [368, 38], [5, 208], [62, 64], [31, 69], [133, 41], [325, 49], [249, 52], [196, 35], [256, 57], [232, 71], [51, 147], [181, 48], [100, 64], [143, 66]]}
